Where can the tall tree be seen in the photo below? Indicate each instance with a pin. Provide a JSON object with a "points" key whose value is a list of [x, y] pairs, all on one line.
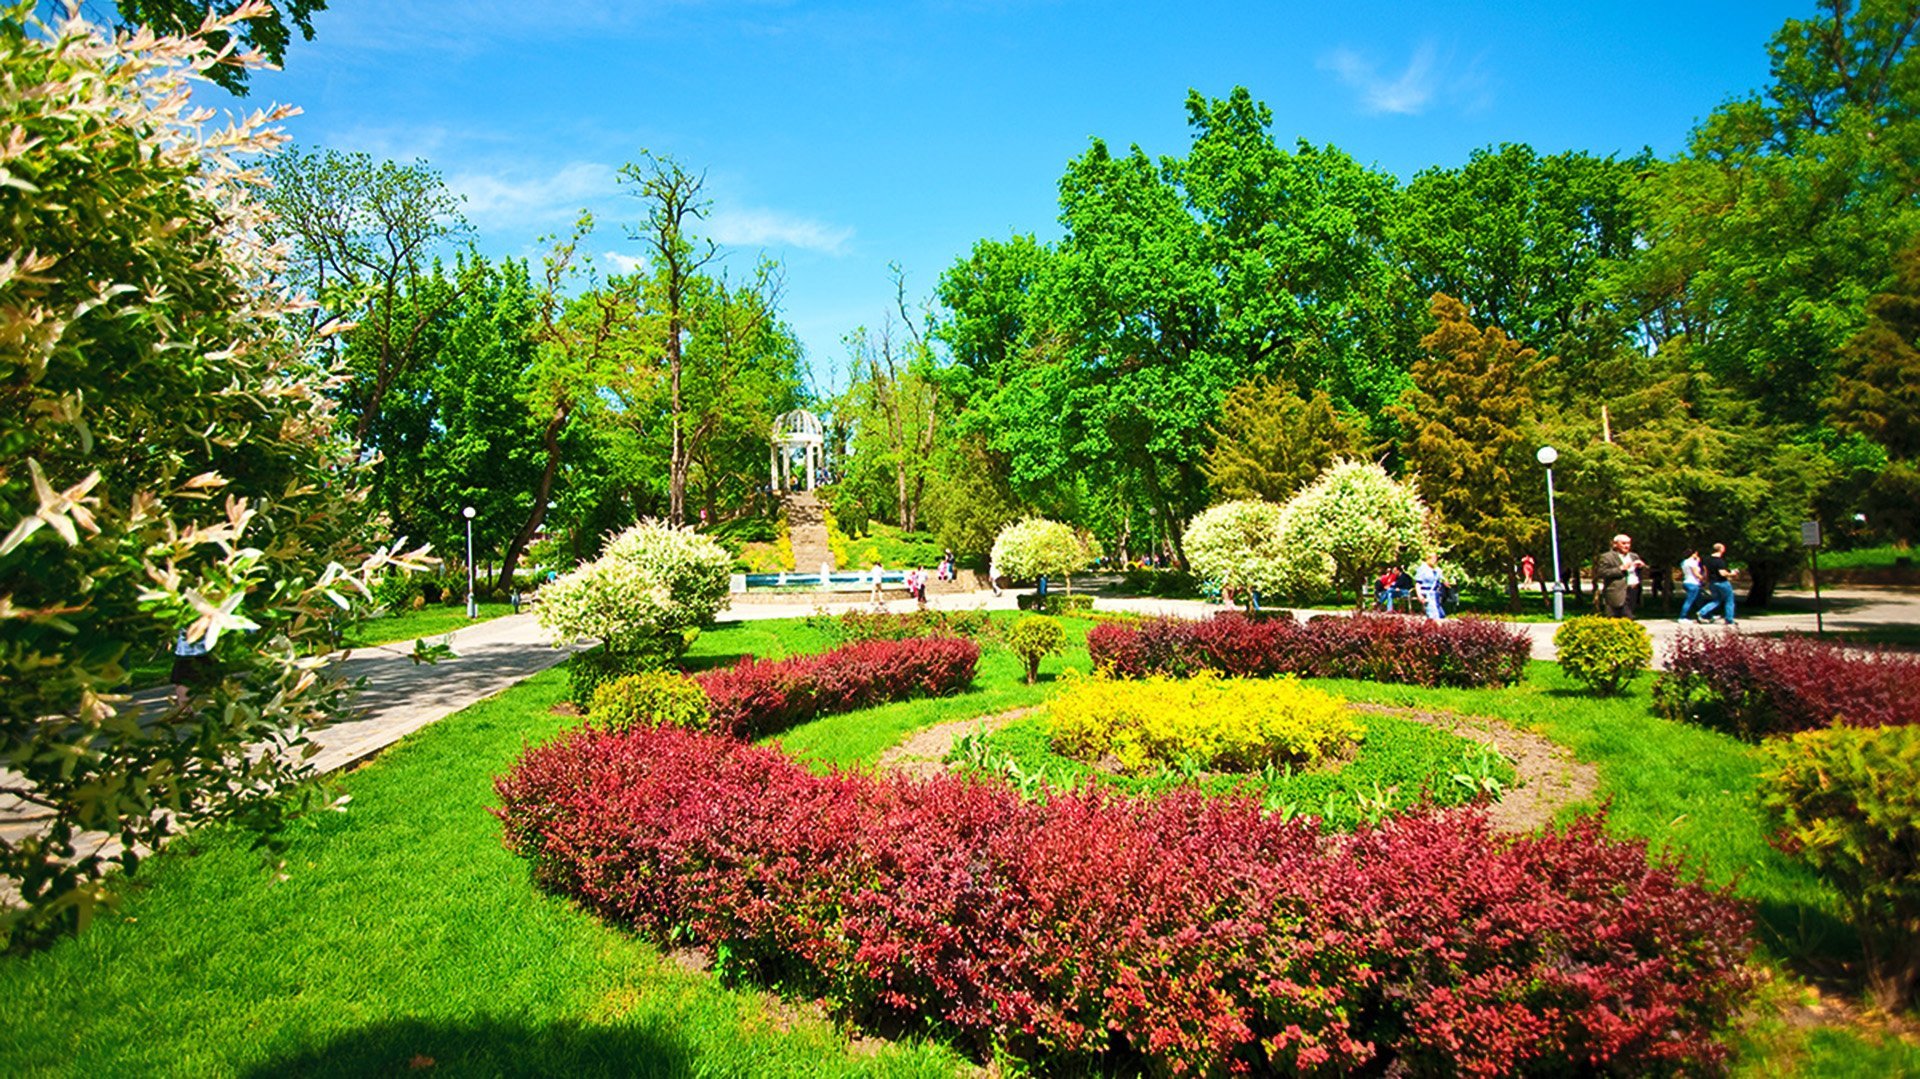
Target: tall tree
{"points": [[1878, 391], [364, 234], [1270, 441], [1466, 434], [674, 199], [896, 399], [1786, 213]]}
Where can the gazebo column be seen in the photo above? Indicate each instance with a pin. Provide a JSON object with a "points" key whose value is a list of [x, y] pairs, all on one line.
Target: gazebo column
{"points": [[810, 450], [773, 468]]}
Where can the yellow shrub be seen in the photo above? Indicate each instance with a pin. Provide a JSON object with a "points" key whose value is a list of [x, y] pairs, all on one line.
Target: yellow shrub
{"points": [[1219, 724]]}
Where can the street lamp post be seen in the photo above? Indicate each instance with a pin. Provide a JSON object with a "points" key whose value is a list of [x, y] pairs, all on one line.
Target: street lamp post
{"points": [[473, 610], [1547, 456]]}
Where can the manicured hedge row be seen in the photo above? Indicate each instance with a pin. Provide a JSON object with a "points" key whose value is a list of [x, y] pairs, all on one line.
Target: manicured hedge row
{"points": [[760, 697], [1380, 648], [1177, 934], [1757, 686]]}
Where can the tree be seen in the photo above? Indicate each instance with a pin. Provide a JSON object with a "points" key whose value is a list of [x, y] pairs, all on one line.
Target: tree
{"points": [[895, 399], [1239, 545], [1467, 434], [168, 465], [1878, 391], [585, 348], [1766, 239], [1035, 547], [1348, 525], [673, 197], [239, 25], [363, 235], [1270, 441]]}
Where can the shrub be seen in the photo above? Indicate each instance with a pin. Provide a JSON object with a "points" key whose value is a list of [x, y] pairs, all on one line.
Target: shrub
{"points": [[1238, 545], [1035, 547], [646, 595], [1752, 687], [1226, 725], [756, 698], [1603, 654], [1464, 652], [1056, 603], [1346, 525], [169, 461], [1161, 582], [1033, 638], [1173, 935], [859, 625], [648, 699], [1846, 801]]}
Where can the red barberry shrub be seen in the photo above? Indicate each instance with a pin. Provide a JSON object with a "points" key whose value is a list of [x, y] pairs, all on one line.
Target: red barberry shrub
{"points": [[756, 697], [1179, 935], [1465, 652], [1752, 687]]}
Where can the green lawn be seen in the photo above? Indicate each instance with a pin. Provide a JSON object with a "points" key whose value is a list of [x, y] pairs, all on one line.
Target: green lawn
{"points": [[1884, 556], [431, 621], [403, 934]]}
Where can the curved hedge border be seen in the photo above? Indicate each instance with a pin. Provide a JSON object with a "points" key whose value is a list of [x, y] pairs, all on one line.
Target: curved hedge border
{"points": [[1463, 652], [1174, 934], [755, 698]]}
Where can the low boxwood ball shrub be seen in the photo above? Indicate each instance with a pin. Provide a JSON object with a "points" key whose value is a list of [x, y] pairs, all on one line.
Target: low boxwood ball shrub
{"points": [[1033, 638], [1173, 935], [1846, 801], [756, 697], [648, 699], [1752, 687], [1226, 725], [1463, 652], [1602, 654]]}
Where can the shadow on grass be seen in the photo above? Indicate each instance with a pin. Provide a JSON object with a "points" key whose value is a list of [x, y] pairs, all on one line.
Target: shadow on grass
{"points": [[696, 664], [1815, 944], [486, 1046]]}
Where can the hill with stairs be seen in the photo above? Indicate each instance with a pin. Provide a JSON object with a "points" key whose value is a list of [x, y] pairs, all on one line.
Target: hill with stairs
{"points": [[807, 529]]}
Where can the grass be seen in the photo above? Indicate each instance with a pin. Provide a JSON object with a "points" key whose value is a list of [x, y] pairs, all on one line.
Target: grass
{"points": [[1398, 764], [433, 620], [893, 547], [1885, 556], [404, 936]]}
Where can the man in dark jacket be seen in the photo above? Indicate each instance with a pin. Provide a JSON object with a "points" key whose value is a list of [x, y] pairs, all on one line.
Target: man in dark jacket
{"points": [[1618, 570]]}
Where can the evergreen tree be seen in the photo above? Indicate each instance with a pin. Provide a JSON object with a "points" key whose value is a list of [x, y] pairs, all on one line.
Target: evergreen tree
{"points": [[1271, 441], [1878, 392], [1466, 433]]}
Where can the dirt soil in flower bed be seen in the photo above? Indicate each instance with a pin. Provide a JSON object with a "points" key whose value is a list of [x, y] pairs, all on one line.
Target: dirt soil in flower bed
{"points": [[1547, 775]]}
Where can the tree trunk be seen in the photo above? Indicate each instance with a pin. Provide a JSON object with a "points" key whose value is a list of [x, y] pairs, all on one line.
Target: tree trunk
{"points": [[1764, 577], [550, 439]]}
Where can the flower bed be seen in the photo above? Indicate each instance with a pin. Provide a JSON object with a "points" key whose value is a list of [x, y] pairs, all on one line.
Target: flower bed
{"points": [[1179, 934], [1229, 725], [1463, 652], [861, 625], [1752, 687], [756, 698]]}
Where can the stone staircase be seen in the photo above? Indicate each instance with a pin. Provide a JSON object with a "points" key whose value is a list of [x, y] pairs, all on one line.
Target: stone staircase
{"points": [[807, 527]]}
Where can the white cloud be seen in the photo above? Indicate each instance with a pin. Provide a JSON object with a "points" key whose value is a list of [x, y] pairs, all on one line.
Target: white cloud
{"points": [[624, 263], [1407, 93], [505, 200], [742, 226]]}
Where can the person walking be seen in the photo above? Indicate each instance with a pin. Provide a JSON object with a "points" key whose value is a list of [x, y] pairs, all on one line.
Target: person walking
{"points": [[1720, 581], [874, 575], [1429, 581], [1692, 578], [192, 667], [1616, 571]]}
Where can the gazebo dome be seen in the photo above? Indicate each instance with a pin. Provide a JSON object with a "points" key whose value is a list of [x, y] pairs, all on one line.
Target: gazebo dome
{"points": [[798, 427]]}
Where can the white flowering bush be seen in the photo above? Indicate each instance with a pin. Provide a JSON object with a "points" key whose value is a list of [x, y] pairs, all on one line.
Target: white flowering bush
{"points": [[169, 463], [651, 588], [1035, 547], [1239, 545], [1349, 525]]}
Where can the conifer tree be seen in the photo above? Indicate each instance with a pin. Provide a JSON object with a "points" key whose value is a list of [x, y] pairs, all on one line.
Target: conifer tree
{"points": [[1271, 441], [1466, 426], [1878, 392]]}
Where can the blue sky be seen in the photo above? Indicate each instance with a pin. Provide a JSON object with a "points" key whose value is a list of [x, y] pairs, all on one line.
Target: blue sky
{"points": [[839, 137]]}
